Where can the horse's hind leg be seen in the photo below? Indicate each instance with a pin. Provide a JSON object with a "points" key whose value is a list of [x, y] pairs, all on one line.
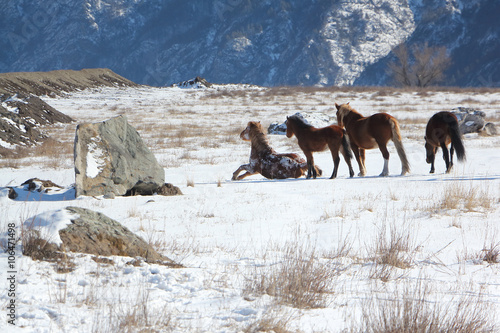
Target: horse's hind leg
{"points": [[452, 150], [385, 154], [311, 170], [446, 157], [347, 159]]}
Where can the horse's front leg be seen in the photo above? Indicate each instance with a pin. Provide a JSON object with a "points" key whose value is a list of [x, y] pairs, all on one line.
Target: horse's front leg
{"points": [[249, 171], [431, 157], [359, 154]]}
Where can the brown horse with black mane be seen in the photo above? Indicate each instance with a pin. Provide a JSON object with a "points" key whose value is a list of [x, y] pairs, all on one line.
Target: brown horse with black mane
{"points": [[264, 160], [442, 129], [371, 132], [313, 139]]}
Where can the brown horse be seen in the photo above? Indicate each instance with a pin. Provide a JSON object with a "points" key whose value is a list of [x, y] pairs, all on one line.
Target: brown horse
{"points": [[264, 160], [371, 132], [313, 139], [442, 129]]}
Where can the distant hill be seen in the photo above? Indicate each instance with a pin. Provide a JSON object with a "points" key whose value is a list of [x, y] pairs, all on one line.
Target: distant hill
{"points": [[22, 112], [270, 43]]}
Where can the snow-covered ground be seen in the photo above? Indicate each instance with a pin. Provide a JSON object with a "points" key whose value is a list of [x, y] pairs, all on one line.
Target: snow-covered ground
{"points": [[232, 236]]}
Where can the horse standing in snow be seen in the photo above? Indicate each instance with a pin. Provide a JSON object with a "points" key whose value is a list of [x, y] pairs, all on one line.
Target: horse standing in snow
{"points": [[371, 132], [442, 129], [264, 160], [311, 139]]}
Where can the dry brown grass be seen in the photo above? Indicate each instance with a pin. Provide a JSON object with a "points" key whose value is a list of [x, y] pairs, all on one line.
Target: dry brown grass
{"points": [[299, 279], [416, 309], [392, 250], [458, 195]]}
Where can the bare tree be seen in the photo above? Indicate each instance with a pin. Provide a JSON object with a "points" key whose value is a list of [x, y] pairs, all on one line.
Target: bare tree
{"points": [[425, 65]]}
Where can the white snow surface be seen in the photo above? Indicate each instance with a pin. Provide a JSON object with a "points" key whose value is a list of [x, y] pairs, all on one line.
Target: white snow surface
{"points": [[49, 223], [230, 234], [95, 159]]}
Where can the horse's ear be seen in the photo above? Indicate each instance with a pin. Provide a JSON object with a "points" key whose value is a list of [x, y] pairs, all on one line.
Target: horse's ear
{"points": [[337, 106], [348, 103]]}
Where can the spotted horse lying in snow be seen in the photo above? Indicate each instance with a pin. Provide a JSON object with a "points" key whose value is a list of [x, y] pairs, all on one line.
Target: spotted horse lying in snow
{"points": [[264, 160]]}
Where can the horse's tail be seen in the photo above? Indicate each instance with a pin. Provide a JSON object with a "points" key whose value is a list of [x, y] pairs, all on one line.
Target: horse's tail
{"points": [[396, 138], [456, 140], [345, 145]]}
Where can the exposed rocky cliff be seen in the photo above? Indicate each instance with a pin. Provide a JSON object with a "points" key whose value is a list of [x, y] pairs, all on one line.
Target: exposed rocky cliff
{"points": [[292, 42]]}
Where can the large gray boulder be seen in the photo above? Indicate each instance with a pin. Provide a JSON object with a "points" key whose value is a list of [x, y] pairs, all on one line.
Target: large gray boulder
{"points": [[87, 231], [111, 159], [470, 120]]}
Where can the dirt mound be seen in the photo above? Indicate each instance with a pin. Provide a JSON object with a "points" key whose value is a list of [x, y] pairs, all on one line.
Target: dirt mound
{"points": [[59, 82], [22, 112]]}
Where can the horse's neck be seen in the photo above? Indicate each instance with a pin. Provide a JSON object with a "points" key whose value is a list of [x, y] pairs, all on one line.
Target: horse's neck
{"points": [[351, 117], [260, 144]]}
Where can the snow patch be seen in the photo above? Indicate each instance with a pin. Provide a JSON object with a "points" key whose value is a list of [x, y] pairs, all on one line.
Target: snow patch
{"points": [[95, 159], [49, 223]]}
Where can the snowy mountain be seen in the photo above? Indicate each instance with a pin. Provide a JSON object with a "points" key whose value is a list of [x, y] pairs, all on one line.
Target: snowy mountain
{"points": [[295, 42]]}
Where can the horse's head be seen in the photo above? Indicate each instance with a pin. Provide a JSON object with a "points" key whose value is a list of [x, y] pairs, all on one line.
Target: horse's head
{"points": [[430, 152], [289, 130], [342, 111], [252, 126]]}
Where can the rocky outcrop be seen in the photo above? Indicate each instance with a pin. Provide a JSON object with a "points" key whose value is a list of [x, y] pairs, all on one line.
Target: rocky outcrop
{"points": [[20, 118], [473, 121], [22, 112], [53, 234], [196, 83], [316, 120], [95, 233], [111, 158]]}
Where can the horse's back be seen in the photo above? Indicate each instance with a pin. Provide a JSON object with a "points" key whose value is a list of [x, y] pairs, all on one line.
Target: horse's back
{"points": [[438, 127], [379, 126]]}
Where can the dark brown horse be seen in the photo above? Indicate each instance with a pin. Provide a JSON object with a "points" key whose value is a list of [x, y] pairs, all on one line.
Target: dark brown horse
{"points": [[371, 132], [264, 160], [312, 139], [442, 129]]}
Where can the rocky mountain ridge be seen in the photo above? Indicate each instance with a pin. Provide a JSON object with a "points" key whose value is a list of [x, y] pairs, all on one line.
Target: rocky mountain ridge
{"points": [[270, 43]]}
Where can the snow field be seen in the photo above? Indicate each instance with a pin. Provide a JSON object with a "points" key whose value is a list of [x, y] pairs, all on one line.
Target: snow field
{"points": [[234, 237]]}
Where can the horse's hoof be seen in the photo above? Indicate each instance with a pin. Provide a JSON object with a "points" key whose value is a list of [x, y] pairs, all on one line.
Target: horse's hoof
{"points": [[384, 174]]}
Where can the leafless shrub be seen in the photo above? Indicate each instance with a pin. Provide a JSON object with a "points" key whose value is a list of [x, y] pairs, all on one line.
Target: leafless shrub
{"points": [[271, 323], [137, 316], [393, 251], [414, 309], [491, 253], [298, 279], [421, 66]]}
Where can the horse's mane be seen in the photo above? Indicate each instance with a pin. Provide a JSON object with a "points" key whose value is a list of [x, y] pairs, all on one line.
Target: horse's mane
{"points": [[258, 137], [299, 121], [345, 108]]}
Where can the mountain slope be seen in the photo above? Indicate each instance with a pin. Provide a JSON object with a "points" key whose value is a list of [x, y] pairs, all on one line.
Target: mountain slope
{"points": [[295, 42]]}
